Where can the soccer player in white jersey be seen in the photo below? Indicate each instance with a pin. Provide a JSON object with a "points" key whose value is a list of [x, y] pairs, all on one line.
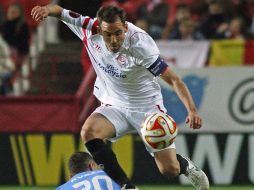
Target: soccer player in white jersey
{"points": [[127, 63]]}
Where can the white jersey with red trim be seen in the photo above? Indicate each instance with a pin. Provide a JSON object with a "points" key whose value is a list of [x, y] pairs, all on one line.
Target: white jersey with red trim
{"points": [[123, 78]]}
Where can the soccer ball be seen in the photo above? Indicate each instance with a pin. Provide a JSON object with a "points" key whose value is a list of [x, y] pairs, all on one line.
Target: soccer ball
{"points": [[159, 131]]}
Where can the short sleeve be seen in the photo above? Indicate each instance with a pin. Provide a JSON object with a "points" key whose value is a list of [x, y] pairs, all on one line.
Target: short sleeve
{"points": [[82, 26], [144, 49]]}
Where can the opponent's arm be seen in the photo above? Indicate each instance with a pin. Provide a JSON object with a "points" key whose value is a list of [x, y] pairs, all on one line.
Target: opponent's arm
{"points": [[183, 93], [40, 13]]}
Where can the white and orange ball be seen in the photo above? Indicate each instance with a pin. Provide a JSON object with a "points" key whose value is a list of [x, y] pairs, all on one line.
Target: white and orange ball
{"points": [[159, 131]]}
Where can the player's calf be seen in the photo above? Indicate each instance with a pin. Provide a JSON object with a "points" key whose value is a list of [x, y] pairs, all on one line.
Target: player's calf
{"points": [[170, 170]]}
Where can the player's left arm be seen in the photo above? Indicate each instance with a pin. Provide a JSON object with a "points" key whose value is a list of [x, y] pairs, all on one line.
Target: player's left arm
{"points": [[193, 119], [151, 60]]}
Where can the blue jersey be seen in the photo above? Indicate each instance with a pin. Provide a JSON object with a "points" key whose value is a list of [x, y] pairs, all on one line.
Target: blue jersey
{"points": [[90, 180]]}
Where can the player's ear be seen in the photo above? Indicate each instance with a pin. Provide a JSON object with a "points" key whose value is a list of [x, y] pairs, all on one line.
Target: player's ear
{"points": [[93, 166], [90, 166]]}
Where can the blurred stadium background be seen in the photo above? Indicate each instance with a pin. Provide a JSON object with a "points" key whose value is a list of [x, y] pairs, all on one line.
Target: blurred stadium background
{"points": [[49, 93]]}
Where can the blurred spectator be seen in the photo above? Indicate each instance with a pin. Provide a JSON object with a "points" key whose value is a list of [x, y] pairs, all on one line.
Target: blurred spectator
{"points": [[1, 15], [130, 7], [157, 19], [174, 4], [252, 28], [16, 33], [155, 13], [6, 68], [187, 31], [215, 19], [172, 29], [234, 30], [247, 10], [143, 24]]}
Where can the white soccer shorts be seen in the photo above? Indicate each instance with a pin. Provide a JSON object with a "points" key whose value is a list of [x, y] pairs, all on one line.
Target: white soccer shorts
{"points": [[126, 120]]}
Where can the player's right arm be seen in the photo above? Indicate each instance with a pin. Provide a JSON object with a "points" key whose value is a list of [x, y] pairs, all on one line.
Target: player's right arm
{"points": [[82, 26], [40, 13]]}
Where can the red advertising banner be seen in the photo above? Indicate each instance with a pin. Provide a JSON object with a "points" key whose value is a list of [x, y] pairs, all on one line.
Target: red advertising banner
{"points": [[39, 114], [249, 53]]}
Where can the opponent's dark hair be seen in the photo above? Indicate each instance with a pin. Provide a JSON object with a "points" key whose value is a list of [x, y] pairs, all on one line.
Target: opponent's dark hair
{"points": [[79, 162], [110, 14]]}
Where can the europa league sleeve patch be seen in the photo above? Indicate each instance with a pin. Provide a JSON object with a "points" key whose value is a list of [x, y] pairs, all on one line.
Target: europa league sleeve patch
{"points": [[73, 14], [158, 67]]}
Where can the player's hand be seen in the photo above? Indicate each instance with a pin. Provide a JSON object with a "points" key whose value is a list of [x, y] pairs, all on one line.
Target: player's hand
{"points": [[194, 120], [39, 13]]}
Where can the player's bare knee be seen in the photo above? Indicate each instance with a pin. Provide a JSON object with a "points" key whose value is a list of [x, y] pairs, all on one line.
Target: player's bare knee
{"points": [[170, 171]]}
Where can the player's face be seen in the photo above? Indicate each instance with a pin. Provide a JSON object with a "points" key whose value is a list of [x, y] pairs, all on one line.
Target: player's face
{"points": [[113, 34]]}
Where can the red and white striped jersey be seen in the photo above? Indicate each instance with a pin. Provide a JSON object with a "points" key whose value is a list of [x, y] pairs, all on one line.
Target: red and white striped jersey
{"points": [[123, 78]]}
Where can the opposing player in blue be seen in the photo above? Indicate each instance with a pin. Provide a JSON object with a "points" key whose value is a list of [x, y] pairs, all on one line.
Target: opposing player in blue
{"points": [[86, 174]]}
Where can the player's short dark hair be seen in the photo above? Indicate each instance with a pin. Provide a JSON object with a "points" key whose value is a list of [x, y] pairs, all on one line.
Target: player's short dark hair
{"points": [[110, 14], [79, 162]]}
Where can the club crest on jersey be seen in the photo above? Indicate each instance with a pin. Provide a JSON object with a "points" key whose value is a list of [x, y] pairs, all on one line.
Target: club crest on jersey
{"points": [[122, 60]]}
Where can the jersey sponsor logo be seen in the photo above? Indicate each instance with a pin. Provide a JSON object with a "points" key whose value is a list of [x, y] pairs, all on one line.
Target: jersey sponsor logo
{"points": [[111, 70]]}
